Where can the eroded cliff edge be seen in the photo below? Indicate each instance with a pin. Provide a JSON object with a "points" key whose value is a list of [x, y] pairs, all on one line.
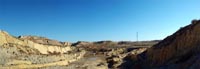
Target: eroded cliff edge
{"points": [[23, 53], [180, 50]]}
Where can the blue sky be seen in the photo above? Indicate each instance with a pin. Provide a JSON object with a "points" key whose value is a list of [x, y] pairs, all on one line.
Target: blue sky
{"points": [[94, 20]]}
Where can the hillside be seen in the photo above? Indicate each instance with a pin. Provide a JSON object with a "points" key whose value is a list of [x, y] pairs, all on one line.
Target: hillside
{"points": [[178, 51], [22, 53], [40, 52]]}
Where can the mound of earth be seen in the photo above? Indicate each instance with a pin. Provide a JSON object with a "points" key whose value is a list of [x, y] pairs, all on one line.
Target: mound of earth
{"points": [[178, 51]]}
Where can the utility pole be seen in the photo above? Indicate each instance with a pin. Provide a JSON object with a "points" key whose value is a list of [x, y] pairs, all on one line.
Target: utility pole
{"points": [[137, 36]]}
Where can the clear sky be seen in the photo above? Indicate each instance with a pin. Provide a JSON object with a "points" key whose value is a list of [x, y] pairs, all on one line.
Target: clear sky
{"points": [[94, 20]]}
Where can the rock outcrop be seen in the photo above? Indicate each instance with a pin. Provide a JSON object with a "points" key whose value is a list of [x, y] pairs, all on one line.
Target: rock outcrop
{"points": [[66, 43], [43, 49], [81, 43], [20, 53], [180, 50], [44, 41]]}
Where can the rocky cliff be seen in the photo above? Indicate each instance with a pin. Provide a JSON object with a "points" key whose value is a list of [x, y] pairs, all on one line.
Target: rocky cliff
{"points": [[24, 53], [44, 40], [180, 50], [41, 40], [43, 49]]}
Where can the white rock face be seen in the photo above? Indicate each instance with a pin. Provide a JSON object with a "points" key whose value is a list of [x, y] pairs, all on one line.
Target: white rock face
{"points": [[41, 40], [43, 49]]}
